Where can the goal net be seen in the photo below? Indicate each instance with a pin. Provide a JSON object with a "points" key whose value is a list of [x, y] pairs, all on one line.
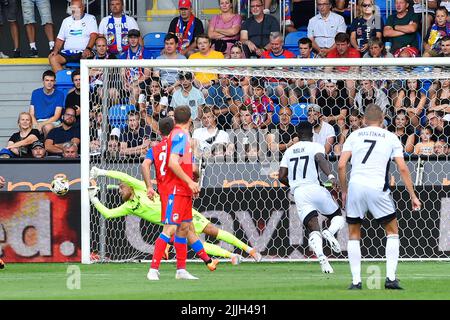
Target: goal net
{"points": [[245, 113]]}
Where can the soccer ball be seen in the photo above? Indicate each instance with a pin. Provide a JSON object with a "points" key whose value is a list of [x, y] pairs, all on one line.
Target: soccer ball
{"points": [[60, 186]]}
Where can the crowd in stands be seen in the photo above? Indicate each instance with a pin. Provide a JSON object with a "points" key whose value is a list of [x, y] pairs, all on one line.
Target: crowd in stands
{"points": [[239, 116]]}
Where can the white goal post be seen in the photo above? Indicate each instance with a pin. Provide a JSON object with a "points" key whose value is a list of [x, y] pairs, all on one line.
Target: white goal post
{"points": [[244, 197]]}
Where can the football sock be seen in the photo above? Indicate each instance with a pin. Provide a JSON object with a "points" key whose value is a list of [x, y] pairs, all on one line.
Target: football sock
{"points": [[392, 253], [315, 242], [337, 223], [33, 45], [354, 258], [231, 239], [199, 250], [158, 252], [215, 250], [180, 245]]}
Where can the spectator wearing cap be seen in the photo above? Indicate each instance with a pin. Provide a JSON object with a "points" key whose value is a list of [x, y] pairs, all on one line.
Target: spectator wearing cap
{"points": [[67, 132], [323, 27], [46, 104], [6, 154], [134, 78], [38, 150], [76, 37], [323, 132], [255, 31], [20, 142], [186, 27], [169, 76], [70, 150], [401, 29], [188, 95], [115, 28], [135, 139], [73, 97]]}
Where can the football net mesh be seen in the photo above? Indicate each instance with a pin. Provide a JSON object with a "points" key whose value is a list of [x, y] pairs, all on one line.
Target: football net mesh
{"points": [[244, 118]]}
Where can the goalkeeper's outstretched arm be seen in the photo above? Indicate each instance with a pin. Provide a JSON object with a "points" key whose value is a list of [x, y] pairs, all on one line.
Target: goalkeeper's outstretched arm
{"points": [[120, 211], [131, 181]]}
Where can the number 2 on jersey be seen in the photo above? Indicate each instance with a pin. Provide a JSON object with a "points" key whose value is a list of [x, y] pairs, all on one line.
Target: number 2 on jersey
{"points": [[372, 145], [163, 159], [296, 160]]}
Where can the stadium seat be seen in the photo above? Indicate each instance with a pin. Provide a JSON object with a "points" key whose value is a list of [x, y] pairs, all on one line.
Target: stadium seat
{"points": [[291, 41], [299, 113], [117, 115], [73, 65], [154, 43], [64, 81]]}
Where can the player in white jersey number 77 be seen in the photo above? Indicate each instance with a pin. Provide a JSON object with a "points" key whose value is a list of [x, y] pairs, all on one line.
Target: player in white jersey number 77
{"points": [[299, 171], [371, 150]]}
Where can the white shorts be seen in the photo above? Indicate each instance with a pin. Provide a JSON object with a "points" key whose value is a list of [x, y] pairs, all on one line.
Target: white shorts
{"points": [[311, 198], [361, 199]]}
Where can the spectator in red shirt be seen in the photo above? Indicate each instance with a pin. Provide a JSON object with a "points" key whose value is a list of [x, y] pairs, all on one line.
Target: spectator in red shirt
{"points": [[343, 49]]}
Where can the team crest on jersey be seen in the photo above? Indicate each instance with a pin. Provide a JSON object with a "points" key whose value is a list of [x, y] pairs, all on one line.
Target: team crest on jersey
{"points": [[175, 216]]}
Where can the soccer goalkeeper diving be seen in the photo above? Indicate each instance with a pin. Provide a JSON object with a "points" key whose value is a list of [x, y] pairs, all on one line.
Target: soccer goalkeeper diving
{"points": [[136, 202]]}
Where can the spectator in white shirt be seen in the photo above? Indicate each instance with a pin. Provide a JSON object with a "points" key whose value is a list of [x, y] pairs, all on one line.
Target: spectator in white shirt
{"points": [[209, 139], [323, 27], [115, 28], [323, 132], [76, 37]]}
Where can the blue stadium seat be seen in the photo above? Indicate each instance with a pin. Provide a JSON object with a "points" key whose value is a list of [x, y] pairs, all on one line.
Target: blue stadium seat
{"points": [[154, 43], [73, 65], [291, 41], [117, 115], [64, 81], [299, 113]]}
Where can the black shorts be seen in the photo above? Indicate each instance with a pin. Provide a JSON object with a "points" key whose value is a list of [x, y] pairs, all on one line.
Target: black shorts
{"points": [[9, 12], [72, 58]]}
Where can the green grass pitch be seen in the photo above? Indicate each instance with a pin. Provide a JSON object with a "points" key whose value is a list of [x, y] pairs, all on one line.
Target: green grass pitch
{"points": [[247, 281]]}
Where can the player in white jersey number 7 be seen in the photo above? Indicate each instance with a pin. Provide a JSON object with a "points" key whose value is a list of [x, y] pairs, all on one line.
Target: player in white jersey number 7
{"points": [[371, 150], [299, 171]]}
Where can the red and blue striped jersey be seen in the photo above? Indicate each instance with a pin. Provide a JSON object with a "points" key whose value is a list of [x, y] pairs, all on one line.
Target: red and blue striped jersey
{"points": [[179, 143], [158, 155]]}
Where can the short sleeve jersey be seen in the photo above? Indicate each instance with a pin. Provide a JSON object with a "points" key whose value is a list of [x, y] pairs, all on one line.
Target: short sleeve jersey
{"points": [[178, 143], [76, 33], [372, 149], [158, 155], [301, 164]]}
